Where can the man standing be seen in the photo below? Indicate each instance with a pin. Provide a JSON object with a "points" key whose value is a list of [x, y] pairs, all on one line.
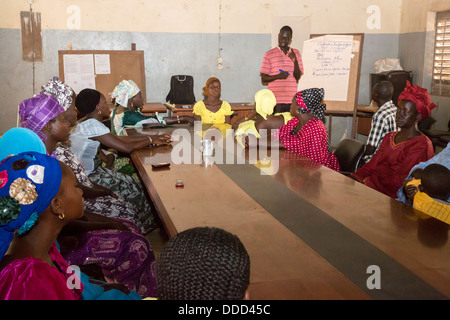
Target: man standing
{"points": [[383, 121], [281, 69]]}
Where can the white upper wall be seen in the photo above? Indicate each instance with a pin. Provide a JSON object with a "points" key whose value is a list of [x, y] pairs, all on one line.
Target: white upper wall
{"points": [[414, 13], [202, 16]]}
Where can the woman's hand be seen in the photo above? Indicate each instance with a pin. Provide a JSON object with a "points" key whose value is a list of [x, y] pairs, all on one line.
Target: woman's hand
{"points": [[161, 139], [110, 286], [110, 159], [107, 192]]}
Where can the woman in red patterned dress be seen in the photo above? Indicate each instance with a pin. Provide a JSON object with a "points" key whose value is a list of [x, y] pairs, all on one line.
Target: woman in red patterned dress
{"points": [[306, 134]]}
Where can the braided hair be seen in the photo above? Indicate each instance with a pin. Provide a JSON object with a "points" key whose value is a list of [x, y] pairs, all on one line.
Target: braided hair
{"points": [[203, 264]]}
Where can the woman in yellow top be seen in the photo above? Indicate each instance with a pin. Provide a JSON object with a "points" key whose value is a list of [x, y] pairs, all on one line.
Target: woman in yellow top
{"points": [[212, 110]]}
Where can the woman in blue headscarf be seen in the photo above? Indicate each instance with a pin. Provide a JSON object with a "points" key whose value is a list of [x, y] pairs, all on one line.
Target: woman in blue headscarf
{"points": [[17, 140], [106, 238], [38, 197]]}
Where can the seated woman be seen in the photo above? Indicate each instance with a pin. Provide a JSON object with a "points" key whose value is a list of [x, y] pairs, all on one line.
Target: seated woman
{"points": [[306, 134], [85, 143], [212, 110], [110, 216], [265, 102], [43, 115], [128, 100], [66, 98], [106, 237], [400, 150], [38, 197]]}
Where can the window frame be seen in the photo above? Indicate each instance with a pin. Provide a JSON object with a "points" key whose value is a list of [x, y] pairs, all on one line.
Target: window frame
{"points": [[440, 82]]}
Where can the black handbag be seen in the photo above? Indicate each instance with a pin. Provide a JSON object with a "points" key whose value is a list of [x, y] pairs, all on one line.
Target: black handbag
{"points": [[181, 90]]}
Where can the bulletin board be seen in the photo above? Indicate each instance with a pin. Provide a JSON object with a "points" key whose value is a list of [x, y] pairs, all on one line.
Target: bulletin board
{"points": [[102, 69]]}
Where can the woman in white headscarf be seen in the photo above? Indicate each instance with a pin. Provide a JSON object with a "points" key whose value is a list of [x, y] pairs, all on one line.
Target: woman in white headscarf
{"points": [[128, 100]]}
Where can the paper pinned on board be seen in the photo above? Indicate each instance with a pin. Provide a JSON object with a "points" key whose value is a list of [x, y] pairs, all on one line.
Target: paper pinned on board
{"points": [[102, 64], [79, 71], [326, 62]]}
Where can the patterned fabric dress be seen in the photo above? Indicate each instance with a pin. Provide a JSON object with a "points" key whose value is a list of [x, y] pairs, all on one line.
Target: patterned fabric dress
{"points": [[124, 256], [311, 142], [130, 205], [86, 150]]}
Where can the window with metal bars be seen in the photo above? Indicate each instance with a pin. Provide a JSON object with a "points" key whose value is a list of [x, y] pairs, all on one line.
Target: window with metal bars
{"points": [[441, 68]]}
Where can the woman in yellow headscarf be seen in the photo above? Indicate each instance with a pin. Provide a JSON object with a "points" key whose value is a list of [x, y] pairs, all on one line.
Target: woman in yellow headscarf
{"points": [[265, 102], [212, 110]]}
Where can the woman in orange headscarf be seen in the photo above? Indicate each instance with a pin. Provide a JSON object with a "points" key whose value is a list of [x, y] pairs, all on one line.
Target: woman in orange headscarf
{"points": [[211, 109], [400, 150]]}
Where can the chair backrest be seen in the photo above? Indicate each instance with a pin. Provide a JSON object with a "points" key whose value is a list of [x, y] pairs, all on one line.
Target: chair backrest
{"points": [[181, 90], [349, 153]]}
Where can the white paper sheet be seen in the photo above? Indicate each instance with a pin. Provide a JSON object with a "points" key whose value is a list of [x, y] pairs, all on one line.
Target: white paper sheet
{"points": [[102, 64], [79, 71], [326, 62]]}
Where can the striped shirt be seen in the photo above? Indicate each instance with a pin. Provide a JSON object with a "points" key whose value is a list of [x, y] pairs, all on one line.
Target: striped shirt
{"points": [[273, 61], [383, 122]]}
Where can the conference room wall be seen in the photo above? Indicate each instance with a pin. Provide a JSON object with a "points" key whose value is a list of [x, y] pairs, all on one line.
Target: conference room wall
{"points": [[416, 50], [166, 54], [177, 41]]}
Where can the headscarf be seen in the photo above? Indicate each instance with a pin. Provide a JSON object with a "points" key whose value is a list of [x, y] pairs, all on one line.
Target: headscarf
{"points": [[36, 112], [420, 97], [310, 100], [265, 101], [17, 140], [55, 87], [124, 91], [28, 183], [87, 100], [208, 82]]}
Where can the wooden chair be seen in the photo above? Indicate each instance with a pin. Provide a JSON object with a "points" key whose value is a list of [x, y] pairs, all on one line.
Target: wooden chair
{"points": [[349, 153]]}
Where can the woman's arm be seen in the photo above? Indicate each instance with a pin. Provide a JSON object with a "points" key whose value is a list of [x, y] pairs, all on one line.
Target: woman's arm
{"points": [[180, 119], [108, 159], [128, 144], [96, 191], [91, 222]]}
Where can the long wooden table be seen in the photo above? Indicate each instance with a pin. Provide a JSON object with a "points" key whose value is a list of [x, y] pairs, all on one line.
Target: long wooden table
{"points": [[311, 232]]}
